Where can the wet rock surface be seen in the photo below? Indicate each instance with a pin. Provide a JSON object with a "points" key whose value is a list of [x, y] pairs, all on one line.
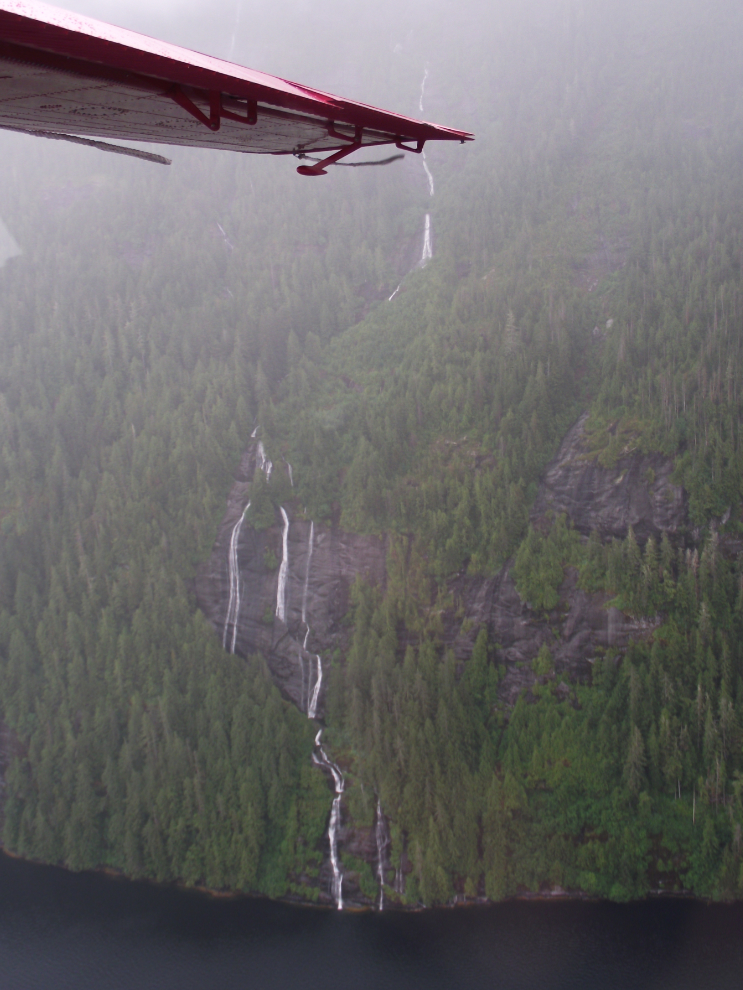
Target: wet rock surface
{"points": [[338, 558], [576, 632], [636, 492]]}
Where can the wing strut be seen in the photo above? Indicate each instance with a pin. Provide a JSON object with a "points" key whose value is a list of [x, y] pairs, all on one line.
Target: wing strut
{"points": [[117, 149], [356, 143], [319, 168]]}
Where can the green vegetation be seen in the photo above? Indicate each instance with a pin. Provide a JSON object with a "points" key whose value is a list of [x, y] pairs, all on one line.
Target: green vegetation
{"points": [[630, 781], [588, 256]]}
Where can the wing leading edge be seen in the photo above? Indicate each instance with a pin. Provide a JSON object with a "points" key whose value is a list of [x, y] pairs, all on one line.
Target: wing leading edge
{"points": [[64, 74]]}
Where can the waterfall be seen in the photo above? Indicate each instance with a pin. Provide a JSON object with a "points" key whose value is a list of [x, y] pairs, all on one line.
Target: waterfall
{"points": [[423, 89], [420, 107], [233, 607], [304, 698], [309, 692], [263, 462], [320, 757], [291, 476], [303, 648], [427, 248], [307, 583], [312, 707], [281, 588], [427, 252], [428, 174], [382, 843], [311, 702], [227, 241]]}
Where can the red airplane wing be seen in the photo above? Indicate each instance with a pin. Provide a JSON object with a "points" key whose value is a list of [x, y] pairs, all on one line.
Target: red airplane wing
{"points": [[64, 74]]}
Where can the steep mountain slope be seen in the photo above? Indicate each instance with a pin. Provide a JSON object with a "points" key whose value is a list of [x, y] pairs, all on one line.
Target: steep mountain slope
{"points": [[511, 524]]}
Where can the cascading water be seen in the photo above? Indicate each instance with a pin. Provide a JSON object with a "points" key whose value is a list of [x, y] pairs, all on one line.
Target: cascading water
{"points": [[283, 569], [307, 583], [311, 700], [423, 89], [233, 607], [429, 174], [312, 706], [382, 843], [305, 700], [263, 462], [291, 476], [427, 252], [321, 759], [319, 756], [227, 241]]}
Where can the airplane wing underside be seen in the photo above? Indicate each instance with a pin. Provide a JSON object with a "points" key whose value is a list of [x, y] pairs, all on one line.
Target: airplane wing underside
{"points": [[63, 74]]}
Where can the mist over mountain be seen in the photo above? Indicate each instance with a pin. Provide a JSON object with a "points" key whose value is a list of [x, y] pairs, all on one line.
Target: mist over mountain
{"points": [[441, 458]]}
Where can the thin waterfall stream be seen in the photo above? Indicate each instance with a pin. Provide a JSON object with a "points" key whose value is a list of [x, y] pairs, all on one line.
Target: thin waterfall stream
{"points": [[264, 464], [427, 250], [283, 570], [319, 756], [382, 842], [312, 675], [233, 607], [311, 700]]}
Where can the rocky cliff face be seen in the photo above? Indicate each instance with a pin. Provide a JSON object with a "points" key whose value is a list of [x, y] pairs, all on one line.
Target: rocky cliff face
{"points": [[637, 492], [575, 632], [319, 584]]}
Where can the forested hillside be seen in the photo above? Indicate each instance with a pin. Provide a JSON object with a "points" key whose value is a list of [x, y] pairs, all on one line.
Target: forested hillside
{"points": [[587, 258]]}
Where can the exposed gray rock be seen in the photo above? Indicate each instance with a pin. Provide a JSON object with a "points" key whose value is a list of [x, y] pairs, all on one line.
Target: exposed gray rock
{"points": [[637, 492], [576, 632], [338, 558]]}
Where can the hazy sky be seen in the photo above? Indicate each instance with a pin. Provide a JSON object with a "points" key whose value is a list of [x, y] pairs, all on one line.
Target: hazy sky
{"points": [[331, 44]]}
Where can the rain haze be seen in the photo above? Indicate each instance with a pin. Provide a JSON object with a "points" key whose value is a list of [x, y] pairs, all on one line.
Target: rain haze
{"points": [[371, 543]]}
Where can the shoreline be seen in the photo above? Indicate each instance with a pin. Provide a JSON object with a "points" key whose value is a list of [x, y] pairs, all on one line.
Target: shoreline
{"points": [[294, 900]]}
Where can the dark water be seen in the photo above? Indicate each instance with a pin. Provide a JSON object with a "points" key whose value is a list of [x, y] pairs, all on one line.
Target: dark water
{"points": [[59, 930]]}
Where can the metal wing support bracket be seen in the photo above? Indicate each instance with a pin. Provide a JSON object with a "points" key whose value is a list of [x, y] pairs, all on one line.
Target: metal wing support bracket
{"points": [[217, 112], [215, 107], [400, 143], [319, 167]]}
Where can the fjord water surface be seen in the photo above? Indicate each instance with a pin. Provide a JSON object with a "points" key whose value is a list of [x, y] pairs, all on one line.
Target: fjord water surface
{"points": [[90, 932]]}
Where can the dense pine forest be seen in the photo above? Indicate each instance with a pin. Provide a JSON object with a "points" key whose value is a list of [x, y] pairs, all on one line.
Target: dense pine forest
{"points": [[587, 259]]}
